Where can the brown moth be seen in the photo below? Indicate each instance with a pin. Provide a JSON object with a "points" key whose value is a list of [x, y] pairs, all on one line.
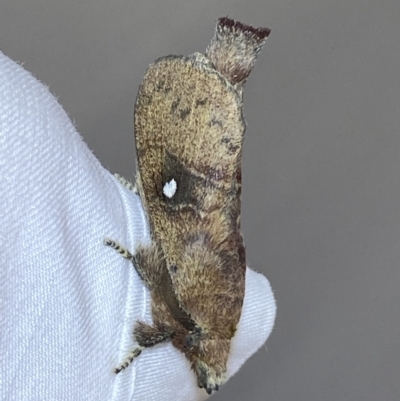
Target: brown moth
{"points": [[189, 132]]}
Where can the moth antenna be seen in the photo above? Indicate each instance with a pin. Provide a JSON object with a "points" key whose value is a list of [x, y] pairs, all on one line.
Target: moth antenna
{"points": [[234, 48]]}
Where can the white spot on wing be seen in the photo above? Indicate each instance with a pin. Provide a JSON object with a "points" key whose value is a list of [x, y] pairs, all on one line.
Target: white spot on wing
{"points": [[170, 188]]}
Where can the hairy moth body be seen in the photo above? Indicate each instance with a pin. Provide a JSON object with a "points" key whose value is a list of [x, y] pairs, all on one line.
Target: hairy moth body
{"points": [[189, 132]]}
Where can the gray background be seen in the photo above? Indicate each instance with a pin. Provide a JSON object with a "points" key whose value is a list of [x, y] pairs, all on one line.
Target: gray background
{"points": [[321, 163]]}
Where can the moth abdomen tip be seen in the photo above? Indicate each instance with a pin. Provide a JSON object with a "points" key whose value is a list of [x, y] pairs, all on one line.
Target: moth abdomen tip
{"points": [[234, 48], [261, 33]]}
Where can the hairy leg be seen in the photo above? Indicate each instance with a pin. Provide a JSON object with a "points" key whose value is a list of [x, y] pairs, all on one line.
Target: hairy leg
{"points": [[148, 261], [146, 336]]}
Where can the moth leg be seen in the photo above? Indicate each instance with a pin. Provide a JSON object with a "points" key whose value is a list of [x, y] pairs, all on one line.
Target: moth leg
{"points": [[127, 255], [127, 184], [146, 336], [147, 261], [128, 360], [120, 249]]}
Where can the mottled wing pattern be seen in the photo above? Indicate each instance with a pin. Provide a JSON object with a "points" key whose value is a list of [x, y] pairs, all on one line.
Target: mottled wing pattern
{"points": [[189, 128]]}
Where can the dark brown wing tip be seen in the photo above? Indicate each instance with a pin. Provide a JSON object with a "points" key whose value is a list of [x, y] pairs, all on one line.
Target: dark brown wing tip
{"points": [[234, 48], [261, 33]]}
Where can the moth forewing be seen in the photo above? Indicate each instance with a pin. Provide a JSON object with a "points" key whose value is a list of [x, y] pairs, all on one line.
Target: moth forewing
{"points": [[193, 137]]}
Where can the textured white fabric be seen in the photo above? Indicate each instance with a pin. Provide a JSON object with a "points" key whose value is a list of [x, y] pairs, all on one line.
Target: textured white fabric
{"points": [[68, 303]]}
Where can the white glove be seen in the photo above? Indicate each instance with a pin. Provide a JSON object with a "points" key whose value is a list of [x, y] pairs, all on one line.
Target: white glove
{"points": [[69, 303]]}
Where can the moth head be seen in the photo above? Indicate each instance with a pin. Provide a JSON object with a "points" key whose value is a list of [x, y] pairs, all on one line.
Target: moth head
{"points": [[193, 339], [208, 356]]}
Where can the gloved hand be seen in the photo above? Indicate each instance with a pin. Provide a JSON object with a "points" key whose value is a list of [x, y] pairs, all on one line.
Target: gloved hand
{"points": [[69, 303]]}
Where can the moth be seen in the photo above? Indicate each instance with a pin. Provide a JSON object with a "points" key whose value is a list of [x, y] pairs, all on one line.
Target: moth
{"points": [[189, 131]]}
